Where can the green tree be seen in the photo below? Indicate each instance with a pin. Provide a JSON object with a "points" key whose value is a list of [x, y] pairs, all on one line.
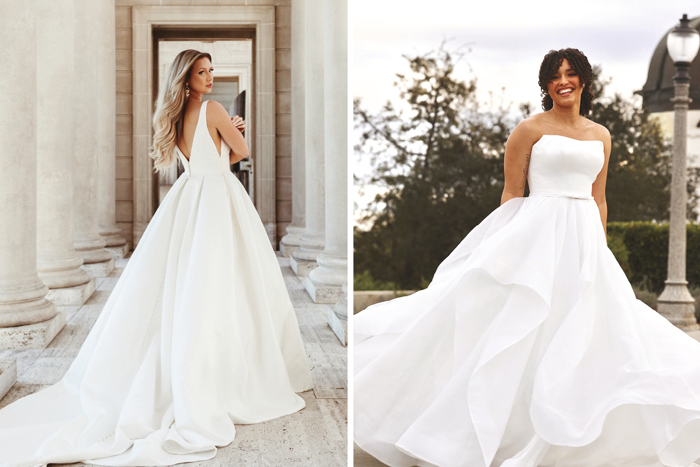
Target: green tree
{"points": [[639, 171], [440, 168]]}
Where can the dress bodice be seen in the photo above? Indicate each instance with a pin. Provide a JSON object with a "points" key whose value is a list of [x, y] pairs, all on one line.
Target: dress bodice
{"points": [[564, 166], [204, 158]]}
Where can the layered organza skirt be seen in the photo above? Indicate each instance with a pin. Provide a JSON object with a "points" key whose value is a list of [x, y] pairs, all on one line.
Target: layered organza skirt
{"points": [[529, 348]]}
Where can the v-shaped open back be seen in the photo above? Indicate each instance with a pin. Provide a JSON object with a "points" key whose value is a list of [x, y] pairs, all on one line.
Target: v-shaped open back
{"points": [[204, 155], [194, 135]]}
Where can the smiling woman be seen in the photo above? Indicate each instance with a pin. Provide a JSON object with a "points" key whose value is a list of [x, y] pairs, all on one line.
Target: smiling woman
{"points": [[529, 347], [566, 74]]}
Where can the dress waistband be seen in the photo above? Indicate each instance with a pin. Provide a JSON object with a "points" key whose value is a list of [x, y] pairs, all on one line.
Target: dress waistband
{"points": [[564, 195]]}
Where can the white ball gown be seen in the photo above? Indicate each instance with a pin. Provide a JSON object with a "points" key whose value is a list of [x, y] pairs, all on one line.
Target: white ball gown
{"points": [[198, 335], [529, 347]]}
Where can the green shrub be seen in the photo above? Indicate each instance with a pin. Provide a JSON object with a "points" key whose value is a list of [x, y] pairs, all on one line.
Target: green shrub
{"points": [[616, 243], [647, 252], [365, 281], [649, 298]]}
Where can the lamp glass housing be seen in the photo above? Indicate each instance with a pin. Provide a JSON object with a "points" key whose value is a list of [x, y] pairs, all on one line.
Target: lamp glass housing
{"points": [[683, 44]]}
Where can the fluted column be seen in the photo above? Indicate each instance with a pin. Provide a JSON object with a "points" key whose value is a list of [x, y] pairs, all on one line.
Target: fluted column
{"points": [[290, 242], [106, 131], [58, 263], [88, 242], [311, 244], [324, 283], [27, 318]]}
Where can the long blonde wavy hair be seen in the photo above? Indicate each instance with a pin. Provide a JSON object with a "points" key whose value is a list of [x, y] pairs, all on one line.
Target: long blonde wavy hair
{"points": [[169, 112]]}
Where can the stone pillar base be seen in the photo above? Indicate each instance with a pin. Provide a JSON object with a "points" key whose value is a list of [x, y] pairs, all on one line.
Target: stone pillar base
{"points": [[287, 250], [112, 236], [339, 326], [32, 336], [680, 315], [8, 376], [102, 269], [76, 295], [322, 293], [677, 305], [301, 267], [120, 251], [290, 242]]}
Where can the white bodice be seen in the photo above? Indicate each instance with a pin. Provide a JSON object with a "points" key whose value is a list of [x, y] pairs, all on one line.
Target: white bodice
{"points": [[560, 165], [204, 158]]}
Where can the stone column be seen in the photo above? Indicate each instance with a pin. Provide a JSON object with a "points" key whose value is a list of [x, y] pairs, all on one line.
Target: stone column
{"points": [[324, 283], [338, 317], [311, 244], [290, 242], [27, 318], [88, 242], [58, 263], [106, 131]]}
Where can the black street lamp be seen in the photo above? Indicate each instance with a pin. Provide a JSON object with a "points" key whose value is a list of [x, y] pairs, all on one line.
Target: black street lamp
{"points": [[675, 302]]}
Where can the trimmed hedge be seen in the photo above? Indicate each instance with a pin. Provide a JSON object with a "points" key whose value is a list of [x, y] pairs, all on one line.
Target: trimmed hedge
{"points": [[641, 248]]}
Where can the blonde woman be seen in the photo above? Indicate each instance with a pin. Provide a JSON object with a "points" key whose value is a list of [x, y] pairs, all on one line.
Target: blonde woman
{"points": [[198, 335]]}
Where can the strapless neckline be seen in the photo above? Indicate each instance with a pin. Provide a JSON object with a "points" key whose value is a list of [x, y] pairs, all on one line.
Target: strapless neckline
{"points": [[572, 139]]}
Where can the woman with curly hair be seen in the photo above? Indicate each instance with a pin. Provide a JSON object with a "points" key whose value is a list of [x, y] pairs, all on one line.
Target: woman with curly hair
{"points": [[529, 347], [199, 333]]}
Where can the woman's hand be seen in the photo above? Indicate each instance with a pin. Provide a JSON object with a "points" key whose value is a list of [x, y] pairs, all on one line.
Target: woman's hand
{"points": [[238, 122]]}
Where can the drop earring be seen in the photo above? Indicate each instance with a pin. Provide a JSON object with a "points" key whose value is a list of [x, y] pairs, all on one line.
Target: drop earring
{"points": [[187, 90]]}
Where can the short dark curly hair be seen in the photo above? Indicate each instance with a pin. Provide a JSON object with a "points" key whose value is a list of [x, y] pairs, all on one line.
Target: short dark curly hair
{"points": [[578, 61]]}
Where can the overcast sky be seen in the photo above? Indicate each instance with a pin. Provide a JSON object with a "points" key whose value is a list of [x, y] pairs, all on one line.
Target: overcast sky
{"points": [[508, 40]]}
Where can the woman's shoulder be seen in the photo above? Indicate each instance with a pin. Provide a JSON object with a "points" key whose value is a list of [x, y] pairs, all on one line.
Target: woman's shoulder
{"points": [[600, 131], [529, 129], [216, 113]]}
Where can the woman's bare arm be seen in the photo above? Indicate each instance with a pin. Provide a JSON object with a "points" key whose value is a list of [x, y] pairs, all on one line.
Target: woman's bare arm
{"points": [[230, 134], [598, 189], [517, 161]]}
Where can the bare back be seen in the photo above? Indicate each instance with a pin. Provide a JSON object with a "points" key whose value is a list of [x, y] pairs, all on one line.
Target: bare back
{"points": [[184, 141]]}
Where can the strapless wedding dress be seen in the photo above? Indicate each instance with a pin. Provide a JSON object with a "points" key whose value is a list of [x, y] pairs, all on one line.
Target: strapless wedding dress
{"points": [[198, 335], [529, 347]]}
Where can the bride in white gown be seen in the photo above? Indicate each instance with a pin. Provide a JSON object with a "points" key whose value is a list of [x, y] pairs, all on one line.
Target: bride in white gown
{"points": [[199, 333], [529, 347]]}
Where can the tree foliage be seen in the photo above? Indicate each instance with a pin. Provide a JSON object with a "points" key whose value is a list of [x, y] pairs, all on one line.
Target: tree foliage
{"points": [[439, 166], [639, 170]]}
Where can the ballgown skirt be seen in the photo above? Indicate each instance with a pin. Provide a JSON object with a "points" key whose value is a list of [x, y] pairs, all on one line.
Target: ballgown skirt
{"points": [[199, 334], [529, 348]]}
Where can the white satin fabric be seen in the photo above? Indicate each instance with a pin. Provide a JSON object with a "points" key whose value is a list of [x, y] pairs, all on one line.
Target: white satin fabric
{"points": [[198, 335], [529, 347]]}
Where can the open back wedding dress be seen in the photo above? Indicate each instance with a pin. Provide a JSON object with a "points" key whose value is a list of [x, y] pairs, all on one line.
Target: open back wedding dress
{"points": [[198, 335], [529, 347]]}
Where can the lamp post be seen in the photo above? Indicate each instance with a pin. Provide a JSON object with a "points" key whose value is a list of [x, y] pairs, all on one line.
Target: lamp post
{"points": [[675, 302]]}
